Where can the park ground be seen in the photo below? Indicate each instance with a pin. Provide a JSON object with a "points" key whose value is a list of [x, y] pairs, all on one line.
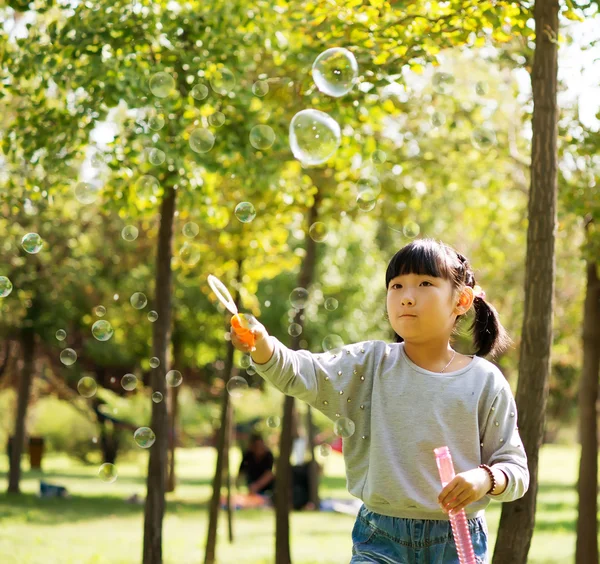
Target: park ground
{"points": [[96, 526]]}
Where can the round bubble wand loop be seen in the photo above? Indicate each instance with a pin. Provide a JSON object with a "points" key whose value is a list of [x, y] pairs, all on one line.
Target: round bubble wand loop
{"points": [[242, 323], [458, 519]]}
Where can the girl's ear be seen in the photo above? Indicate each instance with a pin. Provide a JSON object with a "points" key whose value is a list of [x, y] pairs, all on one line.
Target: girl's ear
{"points": [[465, 300]]}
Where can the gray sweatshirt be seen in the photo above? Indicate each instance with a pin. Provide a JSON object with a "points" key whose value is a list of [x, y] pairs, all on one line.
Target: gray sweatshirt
{"points": [[401, 412]]}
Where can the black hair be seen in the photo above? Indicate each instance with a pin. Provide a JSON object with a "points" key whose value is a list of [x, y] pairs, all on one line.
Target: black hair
{"points": [[435, 258], [254, 438]]}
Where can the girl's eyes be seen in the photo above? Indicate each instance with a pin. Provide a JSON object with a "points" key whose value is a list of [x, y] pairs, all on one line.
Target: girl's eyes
{"points": [[424, 282]]}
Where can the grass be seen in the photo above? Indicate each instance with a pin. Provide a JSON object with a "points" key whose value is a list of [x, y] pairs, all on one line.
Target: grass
{"points": [[96, 525]]}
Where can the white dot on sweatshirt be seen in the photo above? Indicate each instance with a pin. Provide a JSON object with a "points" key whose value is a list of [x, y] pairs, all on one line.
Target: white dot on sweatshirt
{"points": [[339, 372]]}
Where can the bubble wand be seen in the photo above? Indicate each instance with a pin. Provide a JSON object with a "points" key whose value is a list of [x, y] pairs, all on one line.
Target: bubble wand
{"points": [[242, 323], [458, 520]]}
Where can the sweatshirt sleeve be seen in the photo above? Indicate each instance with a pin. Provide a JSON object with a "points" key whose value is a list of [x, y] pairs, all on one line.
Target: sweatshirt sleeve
{"points": [[502, 447], [337, 383]]}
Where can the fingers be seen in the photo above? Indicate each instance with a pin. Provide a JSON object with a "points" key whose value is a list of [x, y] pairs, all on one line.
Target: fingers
{"points": [[239, 344]]}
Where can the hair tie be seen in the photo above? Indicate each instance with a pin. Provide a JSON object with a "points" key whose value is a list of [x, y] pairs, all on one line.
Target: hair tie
{"points": [[478, 292]]}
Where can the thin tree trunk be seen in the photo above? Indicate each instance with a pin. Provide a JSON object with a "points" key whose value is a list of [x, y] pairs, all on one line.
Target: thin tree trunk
{"points": [[518, 518], [230, 427], [313, 473], [18, 440], [586, 551], [173, 411], [283, 485], [161, 336]]}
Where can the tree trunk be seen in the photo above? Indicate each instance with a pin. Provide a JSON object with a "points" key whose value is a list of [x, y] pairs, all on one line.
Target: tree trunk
{"points": [[283, 483], [518, 518], [173, 412], [18, 440], [313, 471], [229, 442], [587, 486], [161, 335]]}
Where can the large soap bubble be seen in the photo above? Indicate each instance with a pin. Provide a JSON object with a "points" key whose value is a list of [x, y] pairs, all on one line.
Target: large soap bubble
{"points": [[334, 71], [314, 136], [202, 140], [162, 84]]}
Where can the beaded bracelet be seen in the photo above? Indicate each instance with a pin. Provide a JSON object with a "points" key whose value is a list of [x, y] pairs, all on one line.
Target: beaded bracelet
{"points": [[489, 471]]}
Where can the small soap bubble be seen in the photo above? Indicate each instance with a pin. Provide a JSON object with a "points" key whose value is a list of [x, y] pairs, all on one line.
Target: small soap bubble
{"points": [[331, 304], [299, 297], [438, 119], [199, 92], [236, 387], [154, 362], [189, 253], [334, 71], [344, 427], [87, 386], [481, 88], [129, 382], [217, 119], [318, 231], [411, 229], [273, 421], [138, 300], [250, 371], [107, 472], [156, 157], [190, 230], [100, 311], [129, 233], [32, 243], [314, 137], [61, 335], [245, 361], [102, 330], [152, 316], [366, 200], [369, 185], [68, 357], [442, 82], [6, 286], [157, 397], [295, 329], [156, 122], [173, 378], [162, 84], [86, 193], [332, 343], [379, 156], [483, 138], [144, 437], [223, 81], [262, 137], [202, 140], [147, 187], [260, 88], [245, 212], [324, 450]]}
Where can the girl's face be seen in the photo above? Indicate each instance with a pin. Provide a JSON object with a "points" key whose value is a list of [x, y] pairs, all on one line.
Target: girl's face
{"points": [[421, 307]]}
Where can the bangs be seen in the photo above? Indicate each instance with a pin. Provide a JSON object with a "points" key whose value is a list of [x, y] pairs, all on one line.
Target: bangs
{"points": [[424, 257]]}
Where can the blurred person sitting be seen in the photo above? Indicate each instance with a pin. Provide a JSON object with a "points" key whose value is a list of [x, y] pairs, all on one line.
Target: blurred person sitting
{"points": [[257, 467]]}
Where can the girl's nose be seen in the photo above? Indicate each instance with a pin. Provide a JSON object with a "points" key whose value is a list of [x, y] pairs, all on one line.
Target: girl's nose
{"points": [[406, 301]]}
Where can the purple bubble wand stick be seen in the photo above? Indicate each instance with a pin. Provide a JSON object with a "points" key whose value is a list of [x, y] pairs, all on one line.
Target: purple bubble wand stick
{"points": [[458, 520]]}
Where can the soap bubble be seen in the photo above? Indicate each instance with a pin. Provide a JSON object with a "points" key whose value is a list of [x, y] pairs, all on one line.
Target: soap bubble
{"points": [[411, 229], [344, 427], [369, 184], [173, 378], [262, 137], [318, 231], [438, 119], [299, 297], [245, 361], [144, 437], [108, 472], [334, 71], [152, 316], [100, 311], [61, 335], [273, 421], [251, 371], [481, 88], [157, 397], [156, 122], [260, 88], [331, 304], [314, 137], [217, 119], [154, 362], [442, 82], [68, 357], [138, 300], [190, 230], [199, 92], [379, 156], [295, 329], [85, 193], [130, 233], [189, 253], [6, 286], [366, 201], [245, 212], [162, 84], [223, 81], [483, 138], [102, 330], [236, 387], [129, 382], [32, 243], [202, 140], [332, 343], [147, 187], [156, 157], [324, 450], [87, 386]]}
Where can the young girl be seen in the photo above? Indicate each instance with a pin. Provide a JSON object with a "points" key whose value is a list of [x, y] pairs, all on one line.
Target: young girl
{"points": [[395, 403]]}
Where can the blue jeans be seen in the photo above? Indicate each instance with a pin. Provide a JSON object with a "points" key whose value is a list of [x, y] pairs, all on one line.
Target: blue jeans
{"points": [[393, 540]]}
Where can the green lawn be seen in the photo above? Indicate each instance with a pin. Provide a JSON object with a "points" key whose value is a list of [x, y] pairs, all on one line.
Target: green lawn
{"points": [[96, 525]]}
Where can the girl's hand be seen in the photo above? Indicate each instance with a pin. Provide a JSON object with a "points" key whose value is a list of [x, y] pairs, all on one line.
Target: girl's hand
{"points": [[464, 488], [259, 332]]}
